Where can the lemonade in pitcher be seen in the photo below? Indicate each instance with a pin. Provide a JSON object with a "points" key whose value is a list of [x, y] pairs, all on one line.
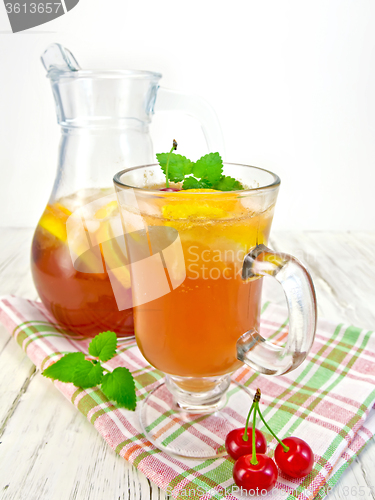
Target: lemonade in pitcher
{"points": [[80, 295], [104, 116]]}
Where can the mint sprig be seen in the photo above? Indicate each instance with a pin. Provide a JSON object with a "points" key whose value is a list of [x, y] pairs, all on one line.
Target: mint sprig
{"points": [[103, 346], [209, 167], [113, 383], [178, 167], [63, 369], [205, 173], [75, 368], [227, 183], [175, 166], [193, 183], [87, 374]]}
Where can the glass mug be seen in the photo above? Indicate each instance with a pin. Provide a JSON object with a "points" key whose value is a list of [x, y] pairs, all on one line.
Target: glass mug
{"points": [[196, 261]]}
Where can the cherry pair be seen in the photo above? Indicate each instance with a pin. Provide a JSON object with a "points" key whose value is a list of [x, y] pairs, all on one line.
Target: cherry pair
{"points": [[253, 468]]}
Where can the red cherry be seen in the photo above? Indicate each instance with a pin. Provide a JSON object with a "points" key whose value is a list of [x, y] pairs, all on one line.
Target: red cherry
{"points": [[236, 446], [170, 189], [263, 475], [298, 461]]}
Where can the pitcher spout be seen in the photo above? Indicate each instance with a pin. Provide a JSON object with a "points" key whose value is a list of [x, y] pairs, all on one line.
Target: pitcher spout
{"points": [[58, 59]]}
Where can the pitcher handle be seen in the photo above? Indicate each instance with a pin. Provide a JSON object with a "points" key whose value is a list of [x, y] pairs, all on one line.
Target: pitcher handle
{"points": [[262, 355], [197, 107]]}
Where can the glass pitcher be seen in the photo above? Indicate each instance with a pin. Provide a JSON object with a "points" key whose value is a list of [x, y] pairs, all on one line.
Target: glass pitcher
{"points": [[104, 118]]}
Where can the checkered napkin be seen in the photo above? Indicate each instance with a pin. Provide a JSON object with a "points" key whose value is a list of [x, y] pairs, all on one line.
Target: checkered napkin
{"points": [[327, 401]]}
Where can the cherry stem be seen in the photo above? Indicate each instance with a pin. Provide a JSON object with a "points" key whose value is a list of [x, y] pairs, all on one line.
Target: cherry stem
{"points": [[257, 410], [167, 165], [245, 436], [254, 460], [256, 398]]}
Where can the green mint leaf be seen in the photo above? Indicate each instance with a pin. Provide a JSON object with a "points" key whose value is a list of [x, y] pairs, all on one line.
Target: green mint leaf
{"points": [[207, 172], [64, 368], [209, 167], [227, 183], [103, 346], [178, 167], [193, 183], [119, 386], [87, 374]]}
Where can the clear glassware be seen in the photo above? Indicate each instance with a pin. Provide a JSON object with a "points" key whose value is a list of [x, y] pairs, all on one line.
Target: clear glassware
{"points": [[104, 118], [196, 261]]}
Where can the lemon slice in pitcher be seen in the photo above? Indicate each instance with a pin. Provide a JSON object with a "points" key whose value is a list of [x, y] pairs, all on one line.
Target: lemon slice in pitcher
{"points": [[54, 219], [107, 211], [110, 246]]}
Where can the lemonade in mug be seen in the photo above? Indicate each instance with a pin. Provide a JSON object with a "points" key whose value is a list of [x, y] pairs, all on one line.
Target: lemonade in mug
{"points": [[192, 331], [197, 291]]}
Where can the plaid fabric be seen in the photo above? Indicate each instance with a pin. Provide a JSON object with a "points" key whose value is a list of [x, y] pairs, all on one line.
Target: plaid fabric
{"points": [[327, 401]]}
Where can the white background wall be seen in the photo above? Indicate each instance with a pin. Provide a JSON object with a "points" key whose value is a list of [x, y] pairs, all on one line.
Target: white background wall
{"points": [[293, 84]]}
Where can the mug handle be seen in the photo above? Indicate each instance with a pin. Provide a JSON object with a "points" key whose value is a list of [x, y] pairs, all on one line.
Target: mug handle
{"points": [[197, 107], [257, 352]]}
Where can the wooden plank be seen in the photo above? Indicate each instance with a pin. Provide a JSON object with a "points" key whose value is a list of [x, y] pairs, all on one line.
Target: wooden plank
{"points": [[15, 274], [344, 277], [16, 372], [49, 450]]}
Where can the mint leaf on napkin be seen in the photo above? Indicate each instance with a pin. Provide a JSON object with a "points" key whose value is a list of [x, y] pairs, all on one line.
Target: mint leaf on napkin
{"points": [[87, 374], [119, 386], [64, 368], [75, 368], [103, 346]]}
